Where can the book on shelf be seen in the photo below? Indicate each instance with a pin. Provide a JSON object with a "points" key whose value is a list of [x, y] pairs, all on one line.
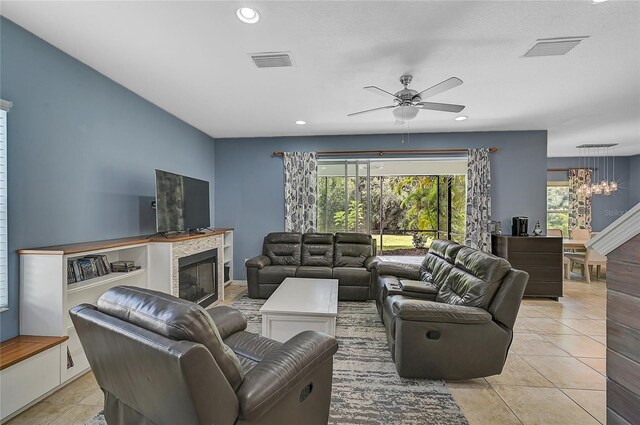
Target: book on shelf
{"points": [[71, 277], [123, 266], [87, 267]]}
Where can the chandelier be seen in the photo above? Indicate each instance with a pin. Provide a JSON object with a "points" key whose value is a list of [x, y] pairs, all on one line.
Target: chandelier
{"points": [[602, 163]]}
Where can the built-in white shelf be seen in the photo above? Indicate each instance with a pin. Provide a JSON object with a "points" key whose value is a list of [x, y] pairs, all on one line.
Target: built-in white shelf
{"points": [[101, 280], [228, 256], [46, 297]]}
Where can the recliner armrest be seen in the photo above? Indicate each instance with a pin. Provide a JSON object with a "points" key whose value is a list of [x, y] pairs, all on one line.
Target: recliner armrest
{"points": [[270, 379], [370, 263], [228, 320], [258, 262], [400, 270], [431, 311]]}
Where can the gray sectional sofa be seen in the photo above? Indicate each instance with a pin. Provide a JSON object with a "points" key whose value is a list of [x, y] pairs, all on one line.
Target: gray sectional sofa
{"points": [[348, 257]]}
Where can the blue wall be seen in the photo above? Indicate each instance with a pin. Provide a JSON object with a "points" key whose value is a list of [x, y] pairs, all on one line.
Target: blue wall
{"points": [[634, 180], [249, 181], [604, 209], [82, 153]]}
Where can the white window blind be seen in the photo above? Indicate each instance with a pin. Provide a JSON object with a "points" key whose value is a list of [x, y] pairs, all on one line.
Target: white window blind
{"points": [[4, 299]]}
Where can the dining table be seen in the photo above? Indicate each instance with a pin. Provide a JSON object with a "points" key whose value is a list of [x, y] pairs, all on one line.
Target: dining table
{"points": [[574, 243]]}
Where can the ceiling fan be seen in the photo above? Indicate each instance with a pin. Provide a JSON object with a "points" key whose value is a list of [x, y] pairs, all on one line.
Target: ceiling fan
{"points": [[407, 102]]}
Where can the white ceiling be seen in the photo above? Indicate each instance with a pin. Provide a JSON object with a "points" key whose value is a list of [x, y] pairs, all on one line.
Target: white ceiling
{"points": [[191, 59]]}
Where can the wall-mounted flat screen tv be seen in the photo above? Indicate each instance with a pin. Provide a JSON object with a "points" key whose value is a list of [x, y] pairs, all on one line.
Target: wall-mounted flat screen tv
{"points": [[182, 203]]}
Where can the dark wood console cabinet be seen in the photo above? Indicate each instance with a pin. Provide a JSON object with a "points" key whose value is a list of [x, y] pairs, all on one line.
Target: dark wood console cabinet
{"points": [[540, 256]]}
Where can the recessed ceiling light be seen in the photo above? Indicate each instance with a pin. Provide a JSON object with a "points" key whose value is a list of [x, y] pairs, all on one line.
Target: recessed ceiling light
{"points": [[248, 15], [461, 118], [300, 122], [598, 1]]}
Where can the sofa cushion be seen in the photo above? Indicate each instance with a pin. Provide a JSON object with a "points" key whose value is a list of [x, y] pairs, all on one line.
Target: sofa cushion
{"points": [[317, 249], [314, 272], [283, 248], [435, 269], [430, 311], [475, 279], [401, 270], [439, 247], [418, 286], [173, 318], [276, 274], [452, 252], [352, 249], [439, 261], [352, 276]]}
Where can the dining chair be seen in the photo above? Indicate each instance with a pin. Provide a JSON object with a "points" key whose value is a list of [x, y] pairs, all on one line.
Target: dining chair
{"points": [[588, 260], [566, 267], [554, 232], [580, 234]]}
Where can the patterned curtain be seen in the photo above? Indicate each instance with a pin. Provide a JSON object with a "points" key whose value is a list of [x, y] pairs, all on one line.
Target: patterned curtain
{"points": [[477, 232], [579, 202], [300, 188]]}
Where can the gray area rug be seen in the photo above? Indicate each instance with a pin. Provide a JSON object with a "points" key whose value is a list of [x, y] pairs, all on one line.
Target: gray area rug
{"points": [[366, 387]]}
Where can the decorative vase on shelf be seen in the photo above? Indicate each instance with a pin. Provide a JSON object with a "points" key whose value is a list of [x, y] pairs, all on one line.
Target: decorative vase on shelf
{"points": [[537, 231]]}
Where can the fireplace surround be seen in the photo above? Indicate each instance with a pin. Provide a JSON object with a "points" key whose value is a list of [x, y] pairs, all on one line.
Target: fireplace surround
{"points": [[186, 248], [198, 277]]}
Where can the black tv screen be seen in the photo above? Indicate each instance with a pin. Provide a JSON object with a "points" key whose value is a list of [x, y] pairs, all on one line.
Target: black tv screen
{"points": [[182, 202]]}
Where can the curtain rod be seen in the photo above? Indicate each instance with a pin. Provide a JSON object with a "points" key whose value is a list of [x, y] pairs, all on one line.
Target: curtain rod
{"points": [[572, 168], [382, 152]]}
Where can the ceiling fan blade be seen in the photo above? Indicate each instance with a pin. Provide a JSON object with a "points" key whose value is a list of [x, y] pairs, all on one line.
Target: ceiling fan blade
{"points": [[378, 90], [446, 107], [371, 110], [439, 88]]}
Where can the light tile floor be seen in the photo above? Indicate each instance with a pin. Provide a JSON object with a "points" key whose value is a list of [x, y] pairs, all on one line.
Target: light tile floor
{"points": [[555, 372]]}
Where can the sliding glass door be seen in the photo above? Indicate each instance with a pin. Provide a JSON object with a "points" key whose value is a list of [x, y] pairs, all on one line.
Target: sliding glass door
{"points": [[404, 204], [344, 196]]}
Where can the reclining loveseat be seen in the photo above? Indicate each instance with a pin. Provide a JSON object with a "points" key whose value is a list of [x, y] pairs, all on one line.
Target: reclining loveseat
{"points": [[452, 316], [348, 257]]}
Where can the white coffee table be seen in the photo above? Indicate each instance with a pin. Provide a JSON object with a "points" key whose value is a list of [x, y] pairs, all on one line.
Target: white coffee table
{"points": [[300, 304]]}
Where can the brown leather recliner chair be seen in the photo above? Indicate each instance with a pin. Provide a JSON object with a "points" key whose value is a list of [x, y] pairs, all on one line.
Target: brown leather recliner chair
{"points": [[162, 360]]}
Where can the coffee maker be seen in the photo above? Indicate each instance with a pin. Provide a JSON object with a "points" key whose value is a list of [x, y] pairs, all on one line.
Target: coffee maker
{"points": [[520, 226]]}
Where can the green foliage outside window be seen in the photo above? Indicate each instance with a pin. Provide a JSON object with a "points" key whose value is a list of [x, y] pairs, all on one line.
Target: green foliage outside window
{"points": [[400, 206], [558, 208]]}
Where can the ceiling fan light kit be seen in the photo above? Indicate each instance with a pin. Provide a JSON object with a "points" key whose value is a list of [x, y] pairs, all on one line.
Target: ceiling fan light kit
{"points": [[408, 102], [405, 113]]}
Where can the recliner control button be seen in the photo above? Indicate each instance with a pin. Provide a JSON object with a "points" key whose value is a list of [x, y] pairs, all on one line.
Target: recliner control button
{"points": [[433, 334]]}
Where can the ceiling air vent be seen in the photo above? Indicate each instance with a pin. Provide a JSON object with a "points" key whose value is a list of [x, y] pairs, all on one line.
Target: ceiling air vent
{"points": [[553, 46], [272, 59]]}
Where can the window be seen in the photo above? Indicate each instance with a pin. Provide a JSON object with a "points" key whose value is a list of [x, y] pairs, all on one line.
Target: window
{"points": [[558, 206], [403, 203], [4, 299]]}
